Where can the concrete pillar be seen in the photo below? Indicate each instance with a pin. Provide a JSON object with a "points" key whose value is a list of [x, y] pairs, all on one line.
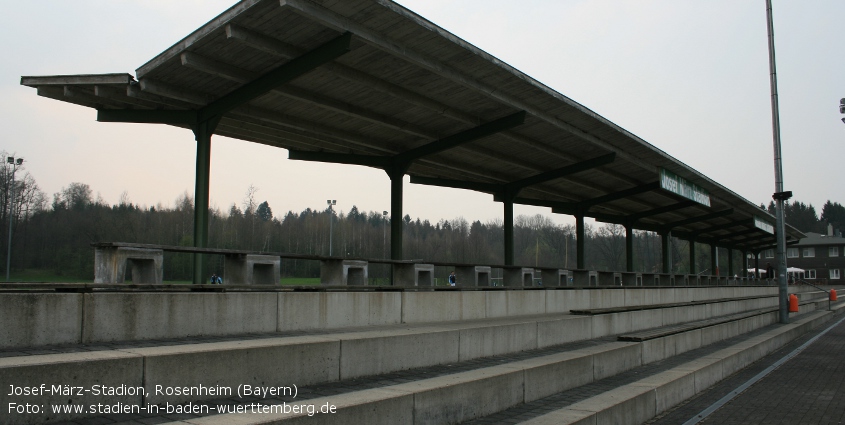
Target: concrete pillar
{"points": [[667, 252], [629, 248], [579, 241]]}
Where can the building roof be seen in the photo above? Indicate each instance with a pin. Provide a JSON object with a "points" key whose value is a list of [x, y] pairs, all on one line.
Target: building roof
{"points": [[370, 82], [814, 239]]}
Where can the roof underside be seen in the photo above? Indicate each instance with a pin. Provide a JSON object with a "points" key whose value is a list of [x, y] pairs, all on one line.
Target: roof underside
{"points": [[403, 84]]}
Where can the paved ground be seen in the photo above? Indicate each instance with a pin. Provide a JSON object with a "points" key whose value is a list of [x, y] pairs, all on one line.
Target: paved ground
{"points": [[807, 389]]}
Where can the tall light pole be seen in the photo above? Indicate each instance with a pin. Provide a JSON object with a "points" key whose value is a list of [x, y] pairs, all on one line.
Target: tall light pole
{"points": [[384, 235], [331, 222], [780, 195], [15, 163]]}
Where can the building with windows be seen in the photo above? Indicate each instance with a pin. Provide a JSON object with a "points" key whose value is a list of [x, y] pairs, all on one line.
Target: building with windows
{"points": [[822, 257]]}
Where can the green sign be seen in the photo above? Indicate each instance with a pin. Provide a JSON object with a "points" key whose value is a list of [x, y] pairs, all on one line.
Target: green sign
{"points": [[677, 185], [763, 225]]}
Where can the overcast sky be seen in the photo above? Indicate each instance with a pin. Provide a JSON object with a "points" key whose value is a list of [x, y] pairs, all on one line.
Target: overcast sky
{"points": [[688, 76]]}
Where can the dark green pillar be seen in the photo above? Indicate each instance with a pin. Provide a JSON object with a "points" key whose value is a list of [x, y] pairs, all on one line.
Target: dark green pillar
{"points": [[579, 242], [202, 134], [508, 202], [629, 248], [713, 260], [730, 262], [396, 215], [692, 256], [667, 252], [757, 265]]}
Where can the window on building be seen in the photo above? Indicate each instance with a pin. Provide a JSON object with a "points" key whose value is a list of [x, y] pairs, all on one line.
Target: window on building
{"points": [[834, 273], [811, 274], [809, 252], [833, 251], [792, 252], [769, 253]]}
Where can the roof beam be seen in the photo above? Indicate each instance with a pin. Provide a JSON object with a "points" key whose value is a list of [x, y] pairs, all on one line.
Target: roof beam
{"points": [[661, 210], [700, 218], [156, 116], [465, 136], [277, 47], [518, 185], [648, 187], [292, 69], [457, 184], [725, 226], [403, 50]]}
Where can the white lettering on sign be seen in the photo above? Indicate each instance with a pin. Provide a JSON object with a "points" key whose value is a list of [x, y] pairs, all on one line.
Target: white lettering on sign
{"points": [[679, 186]]}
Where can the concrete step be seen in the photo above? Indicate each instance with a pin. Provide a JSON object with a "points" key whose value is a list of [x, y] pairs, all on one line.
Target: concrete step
{"points": [[463, 396], [637, 396], [308, 360]]}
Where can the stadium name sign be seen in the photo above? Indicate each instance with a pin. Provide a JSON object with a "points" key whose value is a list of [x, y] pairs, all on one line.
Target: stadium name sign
{"points": [[763, 225], [677, 185]]}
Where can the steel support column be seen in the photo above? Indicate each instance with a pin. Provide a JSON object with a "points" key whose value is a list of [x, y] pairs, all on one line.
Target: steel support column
{"points": [[713, 260], [396, 215], [202, 133], [692, 256], [508, 203], [629, 248], [730, 262], [667, 252], [579, 242]]}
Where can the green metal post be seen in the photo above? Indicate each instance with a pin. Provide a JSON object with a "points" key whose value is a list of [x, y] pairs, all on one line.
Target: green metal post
{"points": [[508, 202], [579, 241], [396, 215], [730, 262], [202, 133], [714, 262], [629, 248], [667, 254], [692, 256]]}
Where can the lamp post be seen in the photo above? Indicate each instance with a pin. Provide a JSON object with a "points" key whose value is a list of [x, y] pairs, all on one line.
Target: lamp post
{"points": [[15, 163], [331, 202], [780, 195], [384, 235]]}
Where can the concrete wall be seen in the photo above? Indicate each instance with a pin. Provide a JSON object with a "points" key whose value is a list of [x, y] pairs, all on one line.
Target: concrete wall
{"points": [[42, 319]]}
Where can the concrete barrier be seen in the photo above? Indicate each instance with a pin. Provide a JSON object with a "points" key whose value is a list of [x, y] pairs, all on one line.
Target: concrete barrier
{"points": [[518, 276], [554, 277], [251, 269], [472, 276], [110, 264], [132, 316], [38, 319], [42, 319], [413, 274], [343, 272]]}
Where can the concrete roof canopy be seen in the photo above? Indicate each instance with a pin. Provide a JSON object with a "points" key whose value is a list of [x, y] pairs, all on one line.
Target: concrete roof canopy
{"points": [[370, 82]]}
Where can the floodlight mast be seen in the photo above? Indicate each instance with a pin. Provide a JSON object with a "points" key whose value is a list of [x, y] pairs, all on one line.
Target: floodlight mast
{"points": [[15, 164], [779, 196]]}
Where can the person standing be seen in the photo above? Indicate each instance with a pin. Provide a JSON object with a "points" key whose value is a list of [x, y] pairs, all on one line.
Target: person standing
{"points": [[452, 279]]}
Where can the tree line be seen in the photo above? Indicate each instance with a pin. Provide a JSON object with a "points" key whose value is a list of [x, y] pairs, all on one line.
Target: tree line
{"points": [[56, 235]]}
